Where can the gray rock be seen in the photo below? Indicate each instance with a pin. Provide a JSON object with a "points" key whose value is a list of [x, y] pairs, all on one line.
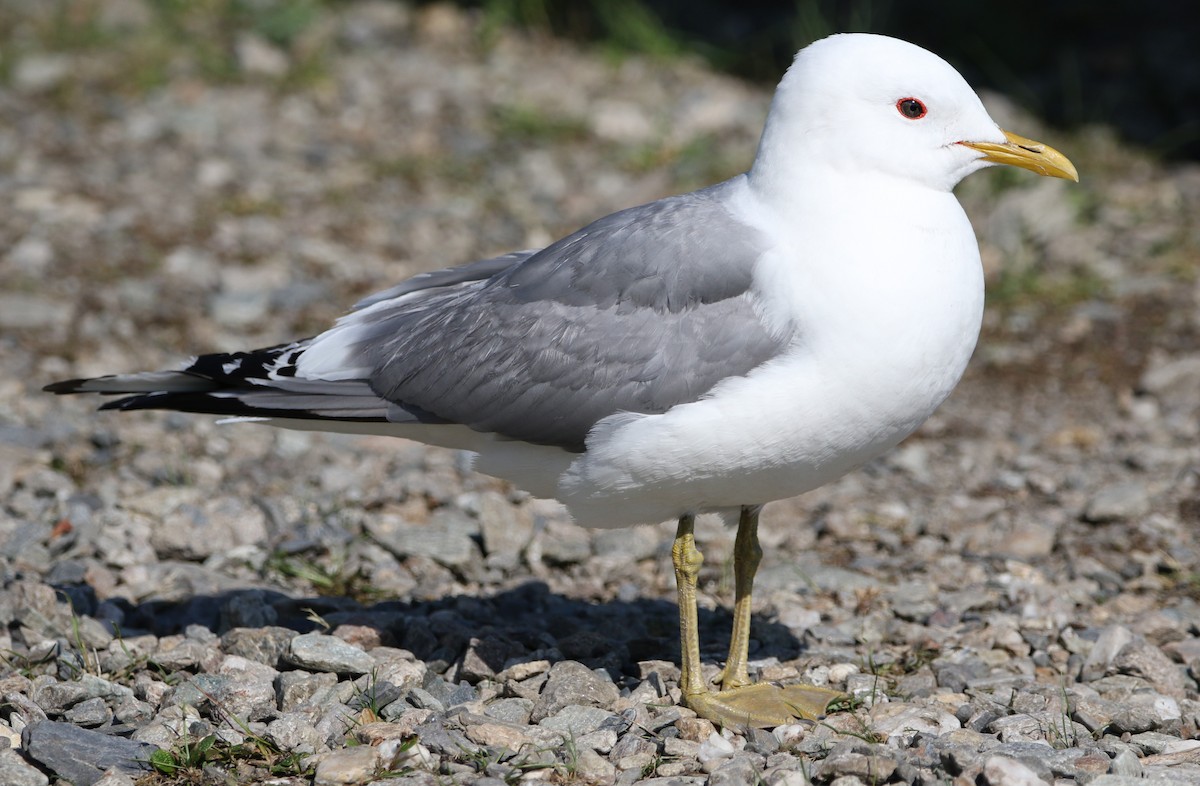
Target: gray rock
{"points": [[1119, 502], [15, 771], [295, 732], [575, 720], [867, 763], [448, 539], [199, 690], [298, 689], [505, 530], [319, 652], [265, 645], [560, 542], [741, 768], [39, 73], [570, 682], [98, 687], [347, 766], [82, 756], [333, 724], [1110, 642], [594, 768], [1127, 763], [435, 736], [176, 653], [1134, 719], [399, 667], [1173, 380], [57, 697], [133, 712], [250, 692], [1002, 771], [1142, 659], [510, 710], [633, 544], [114, 777], [93, 712]]}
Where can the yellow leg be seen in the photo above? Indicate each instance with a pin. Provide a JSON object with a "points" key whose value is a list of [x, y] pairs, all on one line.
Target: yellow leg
{"points": [[747, 554], [687, 560], [740, 703]]}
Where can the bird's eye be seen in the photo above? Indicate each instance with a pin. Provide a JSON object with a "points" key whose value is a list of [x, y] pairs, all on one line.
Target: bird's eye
{"points": [[911, 108]]}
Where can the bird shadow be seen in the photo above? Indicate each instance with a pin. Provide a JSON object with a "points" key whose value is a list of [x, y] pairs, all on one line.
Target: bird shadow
{"points": [[525, 622]]}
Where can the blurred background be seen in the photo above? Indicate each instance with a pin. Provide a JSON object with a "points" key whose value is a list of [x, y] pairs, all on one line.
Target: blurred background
{"points": [[1132, 65], [1127, 64]]}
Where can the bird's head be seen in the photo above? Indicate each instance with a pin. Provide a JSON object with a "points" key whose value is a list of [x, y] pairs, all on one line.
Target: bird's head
{"points": [[869, 103]]}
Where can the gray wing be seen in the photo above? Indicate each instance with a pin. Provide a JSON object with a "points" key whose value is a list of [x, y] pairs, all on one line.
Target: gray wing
{"points": [[638, 312]]}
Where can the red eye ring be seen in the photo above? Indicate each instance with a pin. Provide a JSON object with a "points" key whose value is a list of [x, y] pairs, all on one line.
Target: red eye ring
{"points": [[912, 108]]}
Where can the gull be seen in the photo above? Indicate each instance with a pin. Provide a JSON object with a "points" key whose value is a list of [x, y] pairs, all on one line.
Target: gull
{"points": [[708, 352]]}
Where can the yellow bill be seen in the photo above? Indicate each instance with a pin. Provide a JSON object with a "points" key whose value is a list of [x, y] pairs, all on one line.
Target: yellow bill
{"points": [[1026, 154]]}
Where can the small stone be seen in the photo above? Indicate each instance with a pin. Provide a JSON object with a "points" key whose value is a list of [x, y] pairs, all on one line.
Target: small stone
{"points": [[1134, 720], [499, 735], [1110, 642], [449, 540], [511, 710], [680, 748], [14, 771], [900, 723], [265, 645], [600, 740], [839, 672], [82, 756], [39, 73], [575, 720], [715, 747], [1119, 502], [524, 670], [294, 732], [176, 653], [1142, 659], [1126, 763], [250, 693], [297, 689], [591, 767], [399, 667], [347, 766], [870, 768], [114, 777], [695, 729], [1002, 771], [257, 57], [319, 652], [93, 712], [570, 682], [56, 697], [740, 769], [562, 543], [505, 532]]}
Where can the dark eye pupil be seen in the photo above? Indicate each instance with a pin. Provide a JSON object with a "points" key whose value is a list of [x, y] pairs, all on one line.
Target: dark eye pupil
{"points": [[912, 108]]}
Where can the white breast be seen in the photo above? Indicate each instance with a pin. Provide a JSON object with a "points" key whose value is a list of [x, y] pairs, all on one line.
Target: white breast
{"points": [[884, 324]]}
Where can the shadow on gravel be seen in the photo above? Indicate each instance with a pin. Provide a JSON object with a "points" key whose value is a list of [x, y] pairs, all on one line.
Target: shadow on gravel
{"points": [[523, 623]]}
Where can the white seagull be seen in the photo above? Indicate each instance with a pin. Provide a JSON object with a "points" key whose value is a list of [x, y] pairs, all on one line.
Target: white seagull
{"points": [[711, 351]]}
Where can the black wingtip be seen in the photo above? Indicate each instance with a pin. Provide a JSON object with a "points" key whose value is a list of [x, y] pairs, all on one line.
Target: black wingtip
{"points": [[66, 386]]}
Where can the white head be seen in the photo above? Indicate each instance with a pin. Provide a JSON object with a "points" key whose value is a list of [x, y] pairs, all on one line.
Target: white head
{"points": [[869, 103]]}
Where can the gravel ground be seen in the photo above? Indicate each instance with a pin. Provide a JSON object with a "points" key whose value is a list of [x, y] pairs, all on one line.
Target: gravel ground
{"points": [[1010, 597]]}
